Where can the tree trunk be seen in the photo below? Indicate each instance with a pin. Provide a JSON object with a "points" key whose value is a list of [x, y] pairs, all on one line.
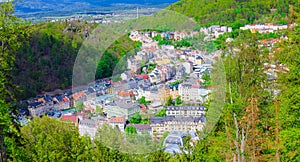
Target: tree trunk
{"points": [[243, 145], [237, 139], [227, 127]]}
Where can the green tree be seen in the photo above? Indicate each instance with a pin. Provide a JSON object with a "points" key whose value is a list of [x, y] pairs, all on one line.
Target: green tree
{"points": [[169, 101], [12, 33], [178, 101], [99, 110], [136, 118], [187, 148], [161, 113], [288, 109], [142, 100], [80, 106], [130, 130], [46, 139]]}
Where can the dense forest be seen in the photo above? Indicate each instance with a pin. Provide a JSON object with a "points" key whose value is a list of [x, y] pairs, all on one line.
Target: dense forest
{"points": [[234, 13], [45, 61], [255, 125]]}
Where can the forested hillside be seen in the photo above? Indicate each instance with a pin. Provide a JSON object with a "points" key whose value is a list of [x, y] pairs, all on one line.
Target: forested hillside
{"points": [[45, 61], [255, 125], [234, 13]]}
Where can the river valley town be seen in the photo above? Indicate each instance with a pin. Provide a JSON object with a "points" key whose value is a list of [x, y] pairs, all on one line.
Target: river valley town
{"points": [[164, 90]]}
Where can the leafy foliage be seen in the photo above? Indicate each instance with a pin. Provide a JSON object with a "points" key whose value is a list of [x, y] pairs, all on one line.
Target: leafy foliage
{"points": [[46, 139], [142, 100], [234, 13], [169, 101], [161, 113], [130, 130], [12, 34], [136, 118]]}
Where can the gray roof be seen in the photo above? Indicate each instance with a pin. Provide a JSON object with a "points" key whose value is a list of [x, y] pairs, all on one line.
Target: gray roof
{"points": [[141, 127], [157, 120], [156, 104], [35, 104], [88, 122], [186, 85], [124, 104]]}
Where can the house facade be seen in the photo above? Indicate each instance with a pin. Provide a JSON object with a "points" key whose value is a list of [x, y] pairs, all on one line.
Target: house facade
{"points": [[88, 127], [117, 122], [121, 108], [185, 111], [171, 123], [163, 92]]}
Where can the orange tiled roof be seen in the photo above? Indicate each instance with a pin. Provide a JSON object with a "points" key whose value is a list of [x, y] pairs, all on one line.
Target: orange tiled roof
{"points": [[125, 94], [78, 95], [117, 119], [41, 100]]}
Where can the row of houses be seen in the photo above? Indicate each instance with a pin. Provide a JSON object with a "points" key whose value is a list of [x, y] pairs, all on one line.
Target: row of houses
{"points": [[264, 28], [177, 35], [44, 104], [215, 31], [187, 91], [178, 118]]}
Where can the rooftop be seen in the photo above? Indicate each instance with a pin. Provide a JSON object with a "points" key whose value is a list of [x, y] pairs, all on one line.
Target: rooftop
{"points": [[117, 119], [141, 127], [72, 118], [88, 122], [126, 104]]}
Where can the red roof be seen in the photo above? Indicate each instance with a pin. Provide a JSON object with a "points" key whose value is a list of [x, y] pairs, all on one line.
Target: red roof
{"points": [[144, 76], [66, 99], [117, 119], [70, 118]]}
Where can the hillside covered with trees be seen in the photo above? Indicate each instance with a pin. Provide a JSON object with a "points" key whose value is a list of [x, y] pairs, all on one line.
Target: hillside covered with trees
{"points": [[234, 13], [45, 61], [255, 124]]}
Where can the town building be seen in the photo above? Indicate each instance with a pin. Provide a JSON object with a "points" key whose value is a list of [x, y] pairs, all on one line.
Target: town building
{"points": [[70, 118], [119, 108], [185, 111], [263, 28], [155, 106], [160, 125], [117, 122], [163, 92], [41, 106], [190, 92], [88, 127]]}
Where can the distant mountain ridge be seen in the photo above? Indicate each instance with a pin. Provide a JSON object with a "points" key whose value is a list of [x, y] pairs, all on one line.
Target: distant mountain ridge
{"points": [[30, 6]]}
